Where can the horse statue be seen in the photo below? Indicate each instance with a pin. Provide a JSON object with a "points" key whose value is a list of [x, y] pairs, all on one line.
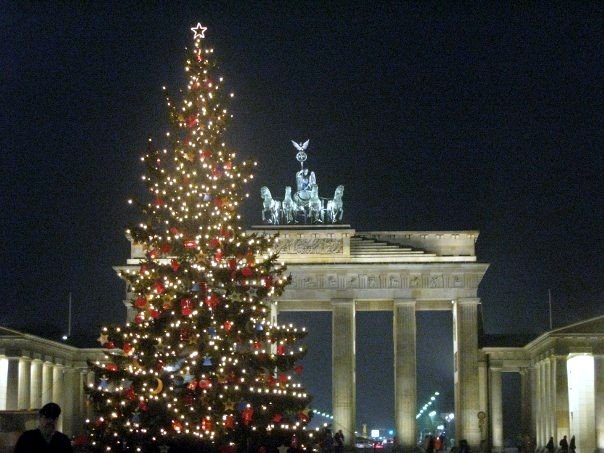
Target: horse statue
{"points": [[335, 207], [288, 206], [315, 205], [270, 207]]}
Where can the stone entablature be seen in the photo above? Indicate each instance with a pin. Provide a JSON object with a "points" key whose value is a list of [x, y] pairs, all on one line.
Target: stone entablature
{"points": [[17, 344], [331, 262]]}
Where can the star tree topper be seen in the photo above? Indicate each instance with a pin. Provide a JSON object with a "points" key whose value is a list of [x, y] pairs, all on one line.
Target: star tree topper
{"points": [[199, 31]]}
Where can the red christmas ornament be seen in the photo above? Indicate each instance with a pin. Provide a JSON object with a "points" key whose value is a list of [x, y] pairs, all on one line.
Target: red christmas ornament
{"points": [[206, 154], [176, 425], [159, 287], [174, 231], [111, 367], [214, 243], [159, 202], [204, 384], [232, 264], [283, 378], [140, 302], [165, 248], [257, 345], [218, 202], [277, 418], [212, 300], [270, 380], [143, 269], [268, 281], [228, 325], [153, 254], [192, 385], [247, 415], [298, 369], [130, 394], [191, 244], [207, 424], [109, 345], [186, 307], [229, 422], [154, 313], [127, 347], [143, 406], [174, 265], [218, 255], [228, 165], [192, 121], [247, 272], [280, 349], [225, 232], [139, 318]]}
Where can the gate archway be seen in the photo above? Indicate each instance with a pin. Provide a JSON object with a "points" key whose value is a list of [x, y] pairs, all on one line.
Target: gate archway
{"points": [[342, 271]]}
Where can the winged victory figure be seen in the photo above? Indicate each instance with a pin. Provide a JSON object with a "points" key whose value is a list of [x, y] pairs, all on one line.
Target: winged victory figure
{"points": [[301, 146]]}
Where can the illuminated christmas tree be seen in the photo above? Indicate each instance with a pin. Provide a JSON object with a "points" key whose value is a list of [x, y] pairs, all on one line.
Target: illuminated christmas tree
{"points": [[201, 364]]}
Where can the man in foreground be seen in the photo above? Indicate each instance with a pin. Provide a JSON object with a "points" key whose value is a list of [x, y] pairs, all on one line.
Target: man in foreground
{"points": [[46, 438]]}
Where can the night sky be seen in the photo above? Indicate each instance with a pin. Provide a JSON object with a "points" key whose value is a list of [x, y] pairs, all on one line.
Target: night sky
{"points": [[433, 117]]}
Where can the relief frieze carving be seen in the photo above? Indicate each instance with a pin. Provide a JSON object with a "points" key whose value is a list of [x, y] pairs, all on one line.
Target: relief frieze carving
{"points": [[381, 281], [304, 246]]}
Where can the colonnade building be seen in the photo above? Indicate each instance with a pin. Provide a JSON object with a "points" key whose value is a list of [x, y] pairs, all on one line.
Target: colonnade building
{"points": [[35, 371]]}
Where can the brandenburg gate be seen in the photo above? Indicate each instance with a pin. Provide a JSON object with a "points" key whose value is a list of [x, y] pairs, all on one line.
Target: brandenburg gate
{"points": [[337, 269]]}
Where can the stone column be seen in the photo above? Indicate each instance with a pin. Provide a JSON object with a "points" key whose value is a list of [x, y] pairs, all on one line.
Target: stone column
{"points": [[561, 399], [483, 397], [89, 379], [82, 401], [47, 382], [274, 318], [23, 398], [71, 401], [550, 366], [405, 379], [496, 416], [9, 391], [57, 391], [525, 403], [36, 384], [539, 404], [343, 367], [533, 403], [543, 404], [467, 407], [599, 397]]}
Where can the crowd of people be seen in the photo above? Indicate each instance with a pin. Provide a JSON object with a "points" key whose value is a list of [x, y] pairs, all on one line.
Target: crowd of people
{"points": [[564, 445]]}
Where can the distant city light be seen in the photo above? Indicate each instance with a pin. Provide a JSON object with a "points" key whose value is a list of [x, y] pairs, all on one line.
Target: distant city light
{"points": [[428, 404]]}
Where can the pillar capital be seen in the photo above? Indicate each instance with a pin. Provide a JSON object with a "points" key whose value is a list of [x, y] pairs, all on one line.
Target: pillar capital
{"points": [[404, 302], [342, 301], [467, 301]]}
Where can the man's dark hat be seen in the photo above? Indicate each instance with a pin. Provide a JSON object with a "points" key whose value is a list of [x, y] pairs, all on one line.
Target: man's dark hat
{"points": [[50, 410]]}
